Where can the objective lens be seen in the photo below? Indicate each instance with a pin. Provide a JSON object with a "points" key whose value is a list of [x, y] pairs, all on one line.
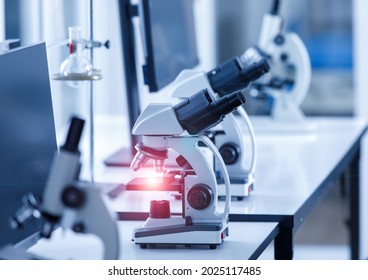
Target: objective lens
{"points": [[139, 160], [159, 165], [145, 153]]}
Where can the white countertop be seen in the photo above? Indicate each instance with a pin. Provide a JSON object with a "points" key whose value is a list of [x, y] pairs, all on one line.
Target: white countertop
{"points": [[245, 241]]}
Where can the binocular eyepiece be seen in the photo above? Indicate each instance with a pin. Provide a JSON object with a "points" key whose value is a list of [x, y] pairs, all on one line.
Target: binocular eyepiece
{"points": [[237, 73], [201, 112]]}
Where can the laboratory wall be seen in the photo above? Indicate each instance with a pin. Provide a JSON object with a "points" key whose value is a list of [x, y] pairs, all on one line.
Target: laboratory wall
{"points": [[361, 105], [2, 21], [239, 24], [36, 20], [206, 37], [42, 20], [325, 26]]}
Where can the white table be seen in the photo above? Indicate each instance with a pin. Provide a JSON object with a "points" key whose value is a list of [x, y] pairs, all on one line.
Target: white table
{"points": [[245, 241], [292, 175]]}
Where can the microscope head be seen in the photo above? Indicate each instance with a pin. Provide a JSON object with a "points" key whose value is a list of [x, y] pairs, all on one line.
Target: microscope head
{"points": [[149, 126], [200, 112], [195, 114], [238, 72]]}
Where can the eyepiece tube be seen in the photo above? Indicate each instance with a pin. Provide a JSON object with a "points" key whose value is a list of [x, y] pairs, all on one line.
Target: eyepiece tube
{"points": [[228, 103], [275, 9], [74, 135], [237, 73], [200, 112]]}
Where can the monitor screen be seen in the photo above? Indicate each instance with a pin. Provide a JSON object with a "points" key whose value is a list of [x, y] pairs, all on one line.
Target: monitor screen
{"points": [[28, 141], [169, 40]]}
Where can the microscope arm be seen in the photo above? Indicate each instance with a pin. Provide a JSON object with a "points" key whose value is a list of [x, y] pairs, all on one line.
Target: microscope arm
{"points": [[225, 174], [201, 166], [287, 101], [91, 215], [298, 56], [243, 114]]}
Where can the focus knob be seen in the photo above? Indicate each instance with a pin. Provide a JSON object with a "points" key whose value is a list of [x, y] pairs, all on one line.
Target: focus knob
{"points": [[73, 197], [229, 153], [200, 196]]}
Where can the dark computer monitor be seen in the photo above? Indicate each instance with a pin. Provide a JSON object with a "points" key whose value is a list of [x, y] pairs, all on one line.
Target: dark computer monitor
{"points": [[27, 132], [169, 40], [169, 43]]}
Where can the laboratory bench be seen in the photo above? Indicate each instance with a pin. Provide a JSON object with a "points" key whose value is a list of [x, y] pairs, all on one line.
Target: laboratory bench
{"points": [[68, 245], [293, 173]]}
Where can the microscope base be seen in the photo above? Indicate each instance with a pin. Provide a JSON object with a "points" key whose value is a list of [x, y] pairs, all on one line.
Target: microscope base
{"points": [[181, 234], [239, 187]]}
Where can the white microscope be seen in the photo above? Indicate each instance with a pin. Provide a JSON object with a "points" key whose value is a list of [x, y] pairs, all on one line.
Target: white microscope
{"points": [[162, 127], [70, 203], [234, 138], [289, 78]]}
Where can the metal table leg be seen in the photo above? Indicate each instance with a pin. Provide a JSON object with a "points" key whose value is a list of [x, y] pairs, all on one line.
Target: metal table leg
{"points": [[284, 243]]}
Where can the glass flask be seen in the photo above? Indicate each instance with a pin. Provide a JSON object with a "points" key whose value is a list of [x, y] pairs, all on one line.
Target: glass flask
{"points": [[76, 68]]}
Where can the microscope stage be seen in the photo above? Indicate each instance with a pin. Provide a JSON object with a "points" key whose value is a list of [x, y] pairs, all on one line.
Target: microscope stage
{"points": [[155, 184]]}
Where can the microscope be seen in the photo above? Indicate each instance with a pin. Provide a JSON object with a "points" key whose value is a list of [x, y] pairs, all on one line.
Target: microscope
{"points": [[68, 202], [289, 79], [162, 128], [234, 138]]}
